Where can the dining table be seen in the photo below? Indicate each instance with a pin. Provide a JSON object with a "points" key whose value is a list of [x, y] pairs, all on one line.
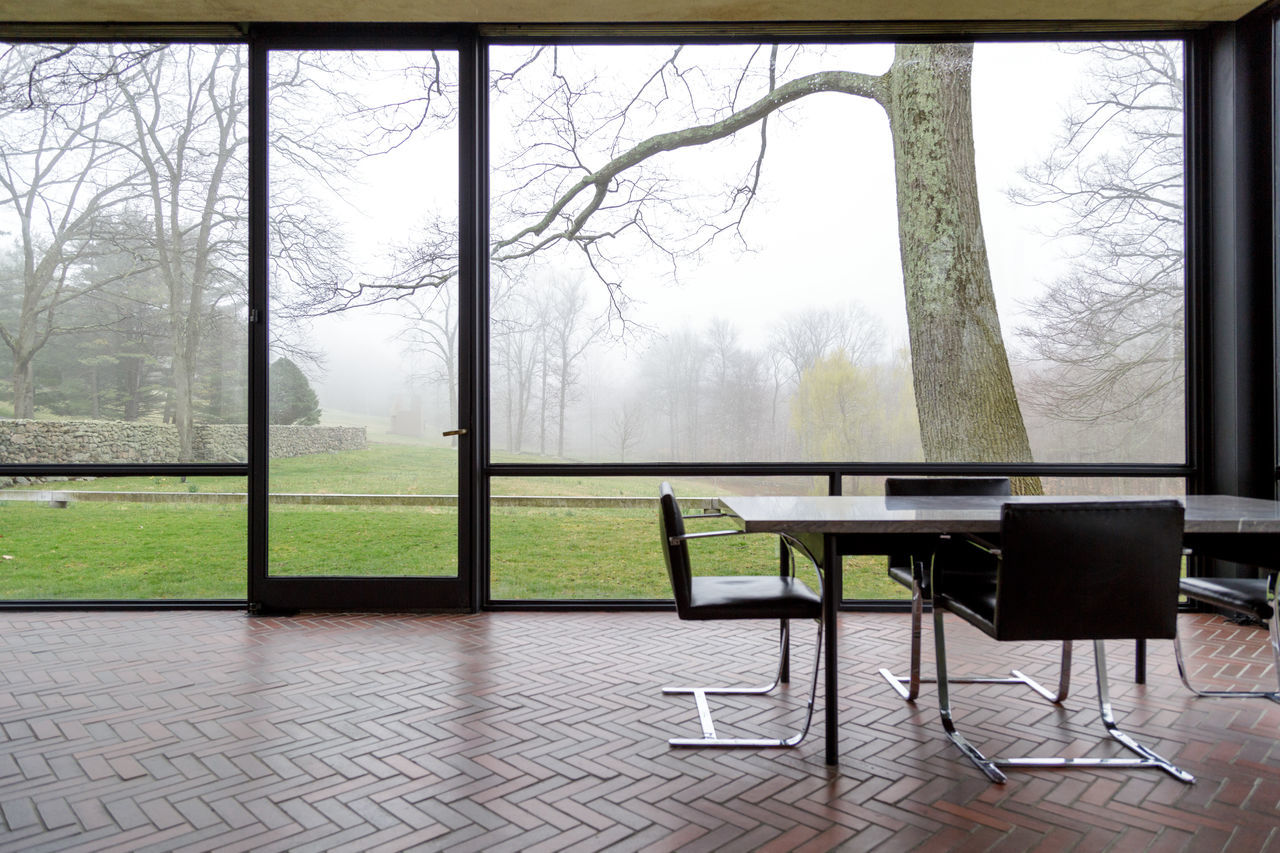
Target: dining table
{"points": [[1240, 529]]}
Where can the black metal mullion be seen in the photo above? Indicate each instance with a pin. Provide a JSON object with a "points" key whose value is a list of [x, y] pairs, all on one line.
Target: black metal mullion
{"points": [[843, 469], [473, 397], [1196, 276], [259, 237]]}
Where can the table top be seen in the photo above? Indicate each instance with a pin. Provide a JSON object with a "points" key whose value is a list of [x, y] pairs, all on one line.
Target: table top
{"points": [[1205, 514]]}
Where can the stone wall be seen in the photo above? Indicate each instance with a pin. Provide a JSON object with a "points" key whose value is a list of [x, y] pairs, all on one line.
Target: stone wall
{"points": [[63, 442]]}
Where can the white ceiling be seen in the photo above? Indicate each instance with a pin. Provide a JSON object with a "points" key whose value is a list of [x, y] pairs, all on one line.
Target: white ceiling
{"points": [[542, 11]]}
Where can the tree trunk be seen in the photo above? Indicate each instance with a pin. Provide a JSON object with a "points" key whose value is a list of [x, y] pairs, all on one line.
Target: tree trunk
{"points": [[562, 400], [182, 403], [964, 391], [24, 387]]}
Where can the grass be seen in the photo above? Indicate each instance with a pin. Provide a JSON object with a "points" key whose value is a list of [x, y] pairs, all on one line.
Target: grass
{"points": [[121, 551], [607, 553], [98, 551]]}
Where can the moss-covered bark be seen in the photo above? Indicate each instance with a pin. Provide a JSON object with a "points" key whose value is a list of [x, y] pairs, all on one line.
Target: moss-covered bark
{"points": [[964, 391]]}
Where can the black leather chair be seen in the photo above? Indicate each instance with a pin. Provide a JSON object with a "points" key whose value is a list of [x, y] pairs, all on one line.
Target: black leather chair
{"points": [[1071, 571], [1254, 597], [911, 570], [776, 596]]}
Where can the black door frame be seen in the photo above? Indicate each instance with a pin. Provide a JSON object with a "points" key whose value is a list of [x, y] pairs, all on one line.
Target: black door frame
{"points": [[285, 594]]}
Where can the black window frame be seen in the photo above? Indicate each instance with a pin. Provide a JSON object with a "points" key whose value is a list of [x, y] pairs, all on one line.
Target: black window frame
{"points": [[1231, 429]]}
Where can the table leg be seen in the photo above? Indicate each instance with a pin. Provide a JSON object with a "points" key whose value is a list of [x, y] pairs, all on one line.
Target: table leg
{"points": [[831, 607], [1139, 661]]}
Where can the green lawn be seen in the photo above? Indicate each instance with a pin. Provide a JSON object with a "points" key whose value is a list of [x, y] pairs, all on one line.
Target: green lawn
{"points": [[196, 551]]}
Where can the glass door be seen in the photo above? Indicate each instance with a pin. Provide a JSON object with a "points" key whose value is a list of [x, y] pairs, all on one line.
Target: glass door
{"points": [[362, 502]]}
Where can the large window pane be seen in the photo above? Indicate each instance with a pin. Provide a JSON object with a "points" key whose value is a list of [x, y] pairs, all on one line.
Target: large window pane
{"points": [[123, 186], [865, 253], [590, 538], [123, 538], [123, 183], [364, 299]]}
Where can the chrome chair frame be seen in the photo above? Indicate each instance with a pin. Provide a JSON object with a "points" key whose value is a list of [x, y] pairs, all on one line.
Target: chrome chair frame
{"points": [[1273, 637], [991, 766], [709, 737], [1146, 757], [908, 687]]}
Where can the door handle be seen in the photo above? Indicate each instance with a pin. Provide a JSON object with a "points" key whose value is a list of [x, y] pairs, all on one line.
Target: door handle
{"points": [[450, 432]]}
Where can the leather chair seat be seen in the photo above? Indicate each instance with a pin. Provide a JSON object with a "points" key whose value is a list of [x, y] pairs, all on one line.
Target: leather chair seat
{"points": [[901, 574], [972, 596], [1246, 595], [752, 597]]}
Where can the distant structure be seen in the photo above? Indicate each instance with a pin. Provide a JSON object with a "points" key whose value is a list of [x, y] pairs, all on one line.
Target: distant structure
{"points": [[406, 416]]}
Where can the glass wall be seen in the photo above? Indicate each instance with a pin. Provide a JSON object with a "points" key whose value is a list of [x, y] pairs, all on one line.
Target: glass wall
{"points": [[123, 290], [591, 538], [363, 323], [845, 254], [829, 253], [123, 256], [123, 538], [805, 253]]}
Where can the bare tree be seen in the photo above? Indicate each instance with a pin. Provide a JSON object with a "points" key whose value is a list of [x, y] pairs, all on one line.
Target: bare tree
{"points": [[674, 376], [1110, 334], [803, 337], [53, 77], [592, 181], [431, 332], [579, 183], [628, 426], [516, 357], [570, 333], [189, 115], [62, 174]]}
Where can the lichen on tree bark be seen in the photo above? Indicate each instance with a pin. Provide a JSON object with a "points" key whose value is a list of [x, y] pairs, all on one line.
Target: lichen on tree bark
{"points": [[964, 390]]}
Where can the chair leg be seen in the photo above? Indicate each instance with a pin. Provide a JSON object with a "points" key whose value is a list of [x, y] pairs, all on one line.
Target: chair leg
{"points": [[991, 766], [1273, 639], [1147, 757], [909, 687], [709, 737], [912, 682], [971, 752]]}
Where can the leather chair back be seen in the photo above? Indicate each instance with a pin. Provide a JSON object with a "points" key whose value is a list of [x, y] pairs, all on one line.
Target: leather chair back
{"points": [[1089, 571], [956, 558], [679, 570]]}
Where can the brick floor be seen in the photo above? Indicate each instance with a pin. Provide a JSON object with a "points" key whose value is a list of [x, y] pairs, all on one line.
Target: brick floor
{"points": [[219, 731]]}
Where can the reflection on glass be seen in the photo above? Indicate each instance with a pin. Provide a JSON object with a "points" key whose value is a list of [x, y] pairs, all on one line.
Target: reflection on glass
{"points": [[363, 373], [752, 253]]}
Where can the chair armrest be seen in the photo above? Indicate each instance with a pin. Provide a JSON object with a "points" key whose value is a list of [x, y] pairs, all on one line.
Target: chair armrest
{"points": [[794, 544], [705, 534]]}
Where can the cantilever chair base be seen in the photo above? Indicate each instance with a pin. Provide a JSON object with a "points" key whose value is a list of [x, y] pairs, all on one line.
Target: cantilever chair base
{"points": [[912, 576], [991, 766], [709, 737], [1058, 555], [909, 687], [1273, 695]]}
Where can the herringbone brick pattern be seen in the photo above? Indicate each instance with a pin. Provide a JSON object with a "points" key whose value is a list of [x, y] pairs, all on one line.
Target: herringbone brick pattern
{"points": [[546, 731]]}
